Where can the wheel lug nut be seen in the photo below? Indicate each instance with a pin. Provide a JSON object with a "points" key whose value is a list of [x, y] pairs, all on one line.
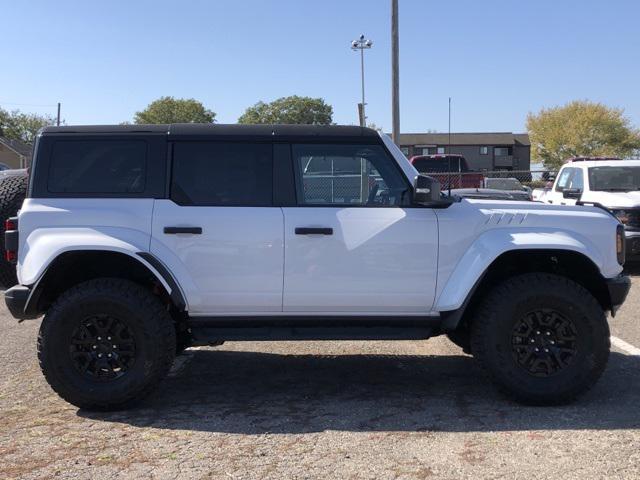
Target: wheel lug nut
{"points": [[546, 350], [99, 338], [548, 333], [95, 346], [109, 338], [109, 355], [537, 333], [99, 355], [532, 341], [115, 346], [537, 349]]}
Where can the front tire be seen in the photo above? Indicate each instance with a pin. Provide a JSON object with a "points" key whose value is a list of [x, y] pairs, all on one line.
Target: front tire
{"points": [[541, 338], [105, 344]]}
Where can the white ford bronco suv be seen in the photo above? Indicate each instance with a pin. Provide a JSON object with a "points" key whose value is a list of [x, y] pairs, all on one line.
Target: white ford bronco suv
{"points": [[136, 242], [612, 183]]}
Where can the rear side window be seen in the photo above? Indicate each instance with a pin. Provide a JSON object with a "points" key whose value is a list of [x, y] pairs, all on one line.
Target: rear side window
{"points": [[224, 174], [98, 167]]}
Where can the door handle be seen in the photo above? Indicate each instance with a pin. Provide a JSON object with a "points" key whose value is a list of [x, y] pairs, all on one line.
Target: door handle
{"points": [[314, 231], [175, 230]]}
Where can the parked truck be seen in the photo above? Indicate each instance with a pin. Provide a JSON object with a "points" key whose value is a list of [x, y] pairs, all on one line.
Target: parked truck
{"points": [[450, 170]]}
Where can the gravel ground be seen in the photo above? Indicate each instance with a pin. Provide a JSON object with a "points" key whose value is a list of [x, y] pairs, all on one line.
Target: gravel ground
{"points": [[348, 410]]}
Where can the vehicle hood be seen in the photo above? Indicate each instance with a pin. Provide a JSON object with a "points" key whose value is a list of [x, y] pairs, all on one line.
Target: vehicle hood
{"points": [[613, 199]]}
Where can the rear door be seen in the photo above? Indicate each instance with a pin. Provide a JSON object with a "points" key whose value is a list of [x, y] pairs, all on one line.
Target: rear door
{"points": [[353, 245], [219, 233]]}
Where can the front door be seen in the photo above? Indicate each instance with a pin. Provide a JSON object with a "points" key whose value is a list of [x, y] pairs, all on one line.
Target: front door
{"points": [[353, 245], [219, 233]]}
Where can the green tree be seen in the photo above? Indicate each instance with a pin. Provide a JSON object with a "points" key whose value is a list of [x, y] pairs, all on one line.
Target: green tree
{"points": [[580, 128], [290, 110], [17, 125], [175, 110]]}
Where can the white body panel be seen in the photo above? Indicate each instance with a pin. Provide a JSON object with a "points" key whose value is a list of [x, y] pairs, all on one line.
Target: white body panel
{"points": [[49, 227], [378, 260], [473, 233], [235, 265]]}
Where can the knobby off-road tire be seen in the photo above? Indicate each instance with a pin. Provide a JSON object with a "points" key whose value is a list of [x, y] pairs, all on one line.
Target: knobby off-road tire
{"points": [[13, 189], [552, 314], [91, 319]]}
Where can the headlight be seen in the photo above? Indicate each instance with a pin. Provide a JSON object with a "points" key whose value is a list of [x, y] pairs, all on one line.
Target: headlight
{"points": [[622, 215], [620, 244]]}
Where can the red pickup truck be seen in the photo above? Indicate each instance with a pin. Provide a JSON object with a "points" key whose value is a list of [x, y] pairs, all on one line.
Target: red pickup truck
{"points": [[448, 169]]}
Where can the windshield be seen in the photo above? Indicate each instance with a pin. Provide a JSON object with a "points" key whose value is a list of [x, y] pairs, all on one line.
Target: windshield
{"points": [[614, 179], [503, 183], [440, 164]]}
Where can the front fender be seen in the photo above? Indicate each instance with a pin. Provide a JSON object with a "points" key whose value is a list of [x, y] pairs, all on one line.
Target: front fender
{"points": [[493, 243], [42, 246]]}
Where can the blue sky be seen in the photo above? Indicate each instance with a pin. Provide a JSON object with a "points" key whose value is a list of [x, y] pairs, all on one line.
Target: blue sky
{"points": [[498, 59]]}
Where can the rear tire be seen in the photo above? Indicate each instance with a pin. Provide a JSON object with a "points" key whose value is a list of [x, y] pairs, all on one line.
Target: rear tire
{"points": [[541, 338], [105, 344], [13, 189]]}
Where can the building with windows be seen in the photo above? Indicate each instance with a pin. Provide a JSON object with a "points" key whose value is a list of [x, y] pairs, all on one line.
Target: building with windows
{"points": [[483, 151], [14, 154]]}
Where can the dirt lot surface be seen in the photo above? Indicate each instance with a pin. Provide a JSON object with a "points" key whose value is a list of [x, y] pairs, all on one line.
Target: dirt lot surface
{"points": [[348, 410]]}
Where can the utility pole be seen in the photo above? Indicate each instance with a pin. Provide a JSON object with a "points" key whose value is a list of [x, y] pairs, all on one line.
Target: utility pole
{"points": [[362, 44], [58, 120], [395, 75]]}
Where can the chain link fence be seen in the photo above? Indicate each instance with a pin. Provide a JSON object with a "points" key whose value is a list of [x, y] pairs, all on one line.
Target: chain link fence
{"points": [[352, 188]]}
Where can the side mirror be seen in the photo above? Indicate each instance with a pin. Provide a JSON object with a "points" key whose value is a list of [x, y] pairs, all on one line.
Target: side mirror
{"points": [[574, 193], [426, 190]]}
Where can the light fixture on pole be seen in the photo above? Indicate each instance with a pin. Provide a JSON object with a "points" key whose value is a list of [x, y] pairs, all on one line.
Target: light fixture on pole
{"points": [[362, 44]]}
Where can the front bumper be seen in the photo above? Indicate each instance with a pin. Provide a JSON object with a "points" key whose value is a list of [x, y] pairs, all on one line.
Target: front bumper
{"points": [[20, 302], [618, 289]]}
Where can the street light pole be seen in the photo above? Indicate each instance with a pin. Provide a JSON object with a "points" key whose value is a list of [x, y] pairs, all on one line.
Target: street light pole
{"points": [[395, 75], [362, 44]]}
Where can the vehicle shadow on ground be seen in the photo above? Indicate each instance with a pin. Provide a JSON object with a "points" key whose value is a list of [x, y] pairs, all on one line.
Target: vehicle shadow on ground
{"points": [[632, 269], [256, 393]]}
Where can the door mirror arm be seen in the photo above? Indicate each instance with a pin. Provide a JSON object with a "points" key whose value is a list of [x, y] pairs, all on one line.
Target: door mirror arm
{"points": [[426, 192]]}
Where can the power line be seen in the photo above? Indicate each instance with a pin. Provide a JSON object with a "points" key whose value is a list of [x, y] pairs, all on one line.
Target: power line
{"points": [[28, 104]]}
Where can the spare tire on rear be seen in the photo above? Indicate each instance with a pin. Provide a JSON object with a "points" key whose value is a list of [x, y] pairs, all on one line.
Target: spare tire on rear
{"points": [[13, 188]]}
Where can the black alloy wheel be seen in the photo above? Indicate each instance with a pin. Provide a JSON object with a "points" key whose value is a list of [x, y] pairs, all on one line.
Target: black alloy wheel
{"points": [[103, 348]]}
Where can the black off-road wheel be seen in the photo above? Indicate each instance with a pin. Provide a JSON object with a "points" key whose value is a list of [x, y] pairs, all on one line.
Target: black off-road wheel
{"points": [[13, 189], [541, 338], [105, 344]]}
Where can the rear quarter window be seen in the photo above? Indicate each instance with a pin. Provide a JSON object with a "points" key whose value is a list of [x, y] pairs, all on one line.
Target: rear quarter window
{"points": [[98, 166]]}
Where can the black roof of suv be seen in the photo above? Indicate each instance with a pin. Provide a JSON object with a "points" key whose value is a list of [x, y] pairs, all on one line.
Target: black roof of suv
{"points": [[227, 130]]}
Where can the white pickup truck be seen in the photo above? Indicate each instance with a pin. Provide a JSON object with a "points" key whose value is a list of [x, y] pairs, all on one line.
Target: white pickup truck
{"points": [[138, 241], [611, 183]]}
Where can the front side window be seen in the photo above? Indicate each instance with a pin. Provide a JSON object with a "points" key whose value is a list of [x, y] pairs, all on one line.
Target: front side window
{"points": [[223, 174], [501, 151], [563, 179], [614, 179], [98, 167], [348, 175], [440, 151], [577, 180]]}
